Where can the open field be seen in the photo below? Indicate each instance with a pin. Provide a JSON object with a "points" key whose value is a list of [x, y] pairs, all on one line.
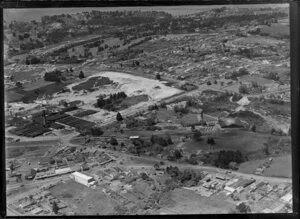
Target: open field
{"points": [[83, 200], [234, 139], [189, 201], [280, 166]]}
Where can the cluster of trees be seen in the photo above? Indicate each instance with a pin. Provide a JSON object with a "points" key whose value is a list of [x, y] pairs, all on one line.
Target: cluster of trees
{"points": [[184, 178], [275, 100], [55, 76], [95, 131], [175, 155], [32, 60], [109, 103], [272, 76], [226, 157], [161, 140], [235, 74], [243, 89]]}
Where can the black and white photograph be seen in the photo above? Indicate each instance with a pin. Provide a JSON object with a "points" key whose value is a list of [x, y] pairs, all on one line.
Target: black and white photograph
{"points": [[148, 110]]}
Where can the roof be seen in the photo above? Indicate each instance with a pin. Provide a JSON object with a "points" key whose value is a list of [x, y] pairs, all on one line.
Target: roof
{"points": [[288, 197], [81, 175]]}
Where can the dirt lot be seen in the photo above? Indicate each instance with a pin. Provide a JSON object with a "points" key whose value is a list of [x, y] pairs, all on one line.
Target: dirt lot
{"points": [[83, 200], [189, 201]]}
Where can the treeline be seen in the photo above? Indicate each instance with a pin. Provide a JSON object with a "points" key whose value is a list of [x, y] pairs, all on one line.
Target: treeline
{"points": [[224, 159]]}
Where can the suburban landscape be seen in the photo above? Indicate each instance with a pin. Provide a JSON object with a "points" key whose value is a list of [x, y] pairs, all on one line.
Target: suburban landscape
{"points": [[145, 111]]}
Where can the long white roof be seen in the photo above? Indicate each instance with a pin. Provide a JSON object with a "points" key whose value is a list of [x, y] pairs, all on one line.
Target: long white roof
{"points": [[81, 175]]}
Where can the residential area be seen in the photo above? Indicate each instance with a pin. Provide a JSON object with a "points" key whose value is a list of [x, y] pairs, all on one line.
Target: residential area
{"points": [[127, 112]]}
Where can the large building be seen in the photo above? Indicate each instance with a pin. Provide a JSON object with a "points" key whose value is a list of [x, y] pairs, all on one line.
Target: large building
{"points": [[83, 179]]}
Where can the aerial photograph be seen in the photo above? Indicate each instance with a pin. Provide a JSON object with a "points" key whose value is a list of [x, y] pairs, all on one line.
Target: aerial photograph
{"points": [[160, 110]]}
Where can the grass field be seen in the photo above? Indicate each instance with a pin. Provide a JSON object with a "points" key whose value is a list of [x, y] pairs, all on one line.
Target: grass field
{"points": [[259, 80], [188, 201], [83, 200], [245, 141], [280, 167]]}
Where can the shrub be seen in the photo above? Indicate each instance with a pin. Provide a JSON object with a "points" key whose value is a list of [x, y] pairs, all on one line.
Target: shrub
{"points": [[243, 89], [113, 141]]}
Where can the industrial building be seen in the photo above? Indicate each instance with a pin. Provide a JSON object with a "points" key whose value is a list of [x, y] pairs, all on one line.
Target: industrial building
{"points": [[83, 179]]}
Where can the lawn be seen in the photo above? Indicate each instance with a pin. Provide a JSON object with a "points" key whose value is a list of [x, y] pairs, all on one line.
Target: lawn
{"points": [[83, 200]]}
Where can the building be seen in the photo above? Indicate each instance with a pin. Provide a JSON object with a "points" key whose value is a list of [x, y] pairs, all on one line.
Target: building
{"points": [[287, 198], [83, 179]]}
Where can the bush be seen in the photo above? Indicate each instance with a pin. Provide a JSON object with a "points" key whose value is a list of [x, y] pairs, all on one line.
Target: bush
{"points": [[113, 141], [210, 141], [243, 89], [197, 136], [208, 83]]}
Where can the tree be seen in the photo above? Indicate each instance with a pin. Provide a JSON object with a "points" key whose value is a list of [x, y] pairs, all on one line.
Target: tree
{"points": [[266, 149], [54, 207], [11, 167], [243, 89], [113, 141], [243, 208], [158, 77], [177, 154], [27, 62], [119, 117], [253, 128], [210, 141], [81, 75], [233, 165], [208, 83], [197, 136], [18, 84], [97, 131]]}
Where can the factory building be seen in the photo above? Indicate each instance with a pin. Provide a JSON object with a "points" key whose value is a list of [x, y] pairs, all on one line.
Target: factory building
{"points": [[83, 179]]}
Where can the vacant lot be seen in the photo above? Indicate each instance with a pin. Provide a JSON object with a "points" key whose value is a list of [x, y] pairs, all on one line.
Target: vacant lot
{"points": [[83, 200], [234, 139], [193, 203]]}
